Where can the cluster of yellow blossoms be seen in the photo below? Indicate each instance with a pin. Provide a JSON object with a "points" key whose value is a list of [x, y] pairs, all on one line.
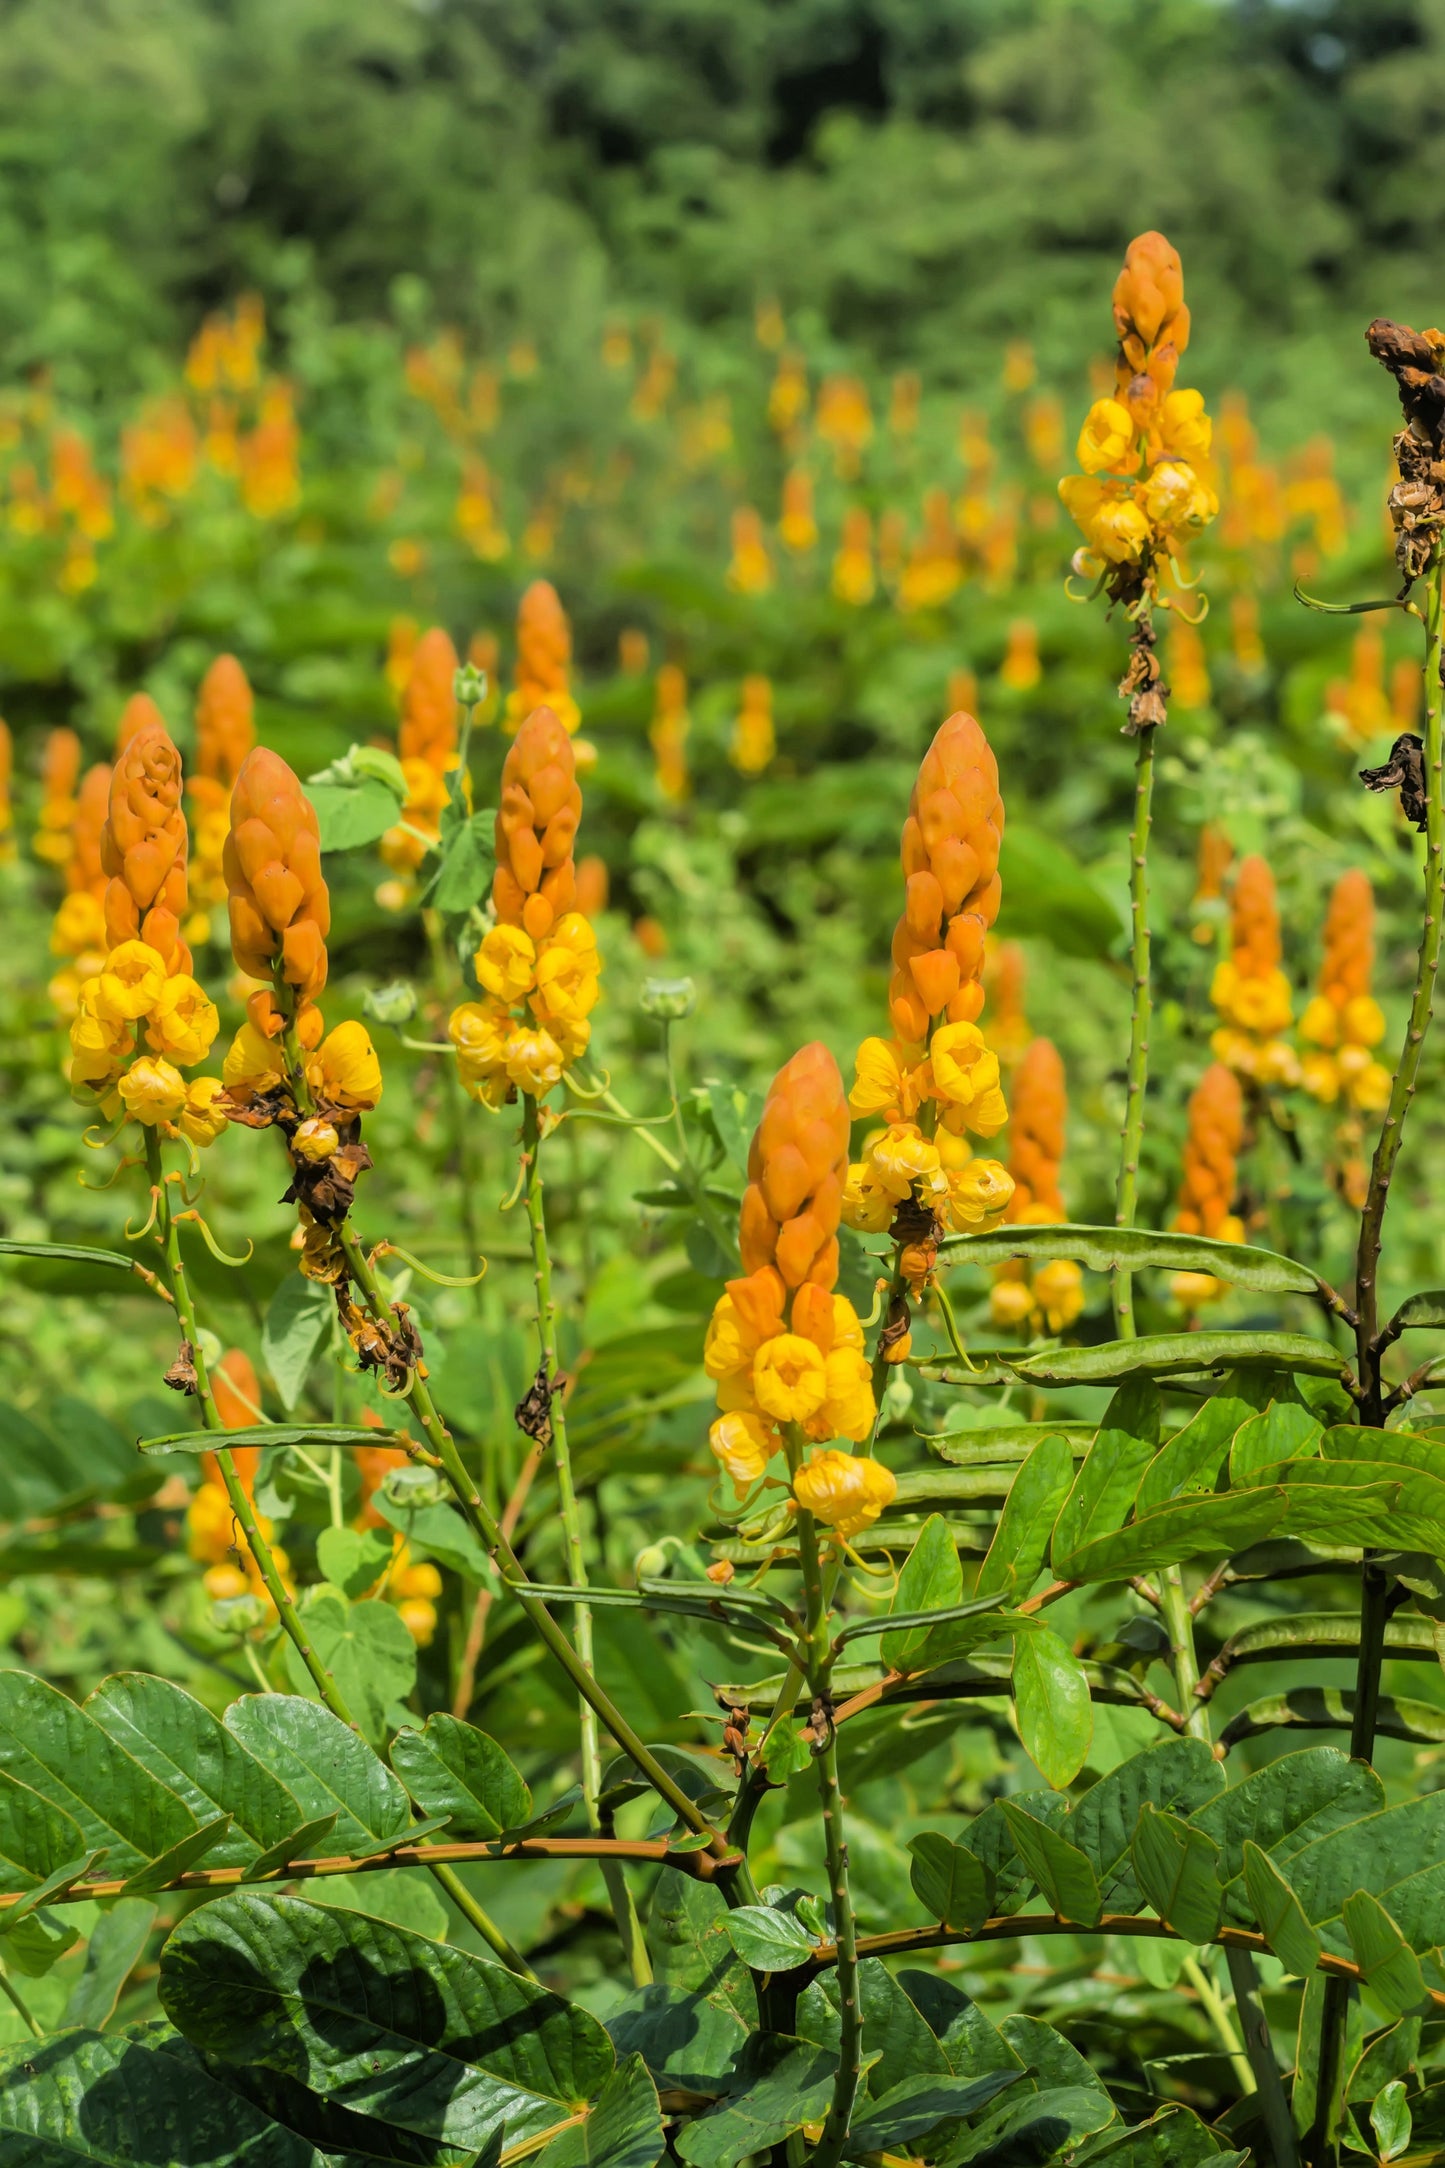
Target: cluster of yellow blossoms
{"points": [[539, 966], [1250, 990], [956, 1078], [1141, 495], [1343, 1021], [427, 747], [785, 1348]]}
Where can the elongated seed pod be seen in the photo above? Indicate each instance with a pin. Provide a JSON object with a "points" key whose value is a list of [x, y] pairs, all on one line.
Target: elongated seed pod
{"points": [[144, 847], [797, 1168], [278, 902], [950, 853]]}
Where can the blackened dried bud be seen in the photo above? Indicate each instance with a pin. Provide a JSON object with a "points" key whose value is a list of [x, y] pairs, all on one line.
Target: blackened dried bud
{"points": [[181, 1377], [534, 1410], [1404, 771], [897, 1326], [1142, 684], [1414, 359]]}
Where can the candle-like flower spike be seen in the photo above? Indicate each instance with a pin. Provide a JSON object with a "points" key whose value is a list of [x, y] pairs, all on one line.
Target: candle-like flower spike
{"points": [[950, 853], [1344, 1022], [1206, 1190], [280, 908], [544, 660], [144, 849], [1249, 989]]}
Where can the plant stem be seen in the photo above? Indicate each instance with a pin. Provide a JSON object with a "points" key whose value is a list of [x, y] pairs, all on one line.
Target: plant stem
{"points": [[1126, 1195], [449, 1880], [629, 1927], [12, 1995], [1273, 2100], [829, 2149], [1216, 2010]]}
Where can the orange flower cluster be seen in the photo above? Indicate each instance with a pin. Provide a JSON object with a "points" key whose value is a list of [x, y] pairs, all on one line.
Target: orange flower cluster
{"points": [[225, 733], [59, 772], [427, 744], [784, 1348], [538, 968], [479, 521], [844, 421], [144, 848], [1249, 989], [853, 578], [225, 353], [1005, 975], [797, 527], [1216, 855], [671, 724], [950, 850], [544, 660], [1206, 1191], [1053, 1296], [1021, 669], [79, 928], [935, 564], [270, 456], [750, 570], [753, 742], [1359, 703], [159, 457], [279, 905], [1343, 1021], [788, 397], [1152, 321]]}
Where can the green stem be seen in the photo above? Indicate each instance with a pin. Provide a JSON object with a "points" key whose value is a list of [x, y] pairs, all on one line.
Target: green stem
{"points": [[1216, 2010], [1126, 1195], [629, 1927], [447, 1879], [12, 1995]]}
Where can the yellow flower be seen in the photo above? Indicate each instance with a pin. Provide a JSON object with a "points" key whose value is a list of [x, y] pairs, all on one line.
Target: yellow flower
{"points": [[790, 1378], [567, 969], [79, 924], [153, 1091], [183, 1021], [748, 1312], [1321, 1077], [867, 1205], [849, 1407], [344, 1070], [1371, 1089], [888, 1077], [965, 1077], [201, 1118], [1010, 1303], [1364, 1021], [1119, 531], [744, 1445], [253, 1058], [1082, 497], [419, 1617], [1320, 1023], [130, 983], [1059, 1293], [1194, 1289], [506, 963], [315, 1140], [534, 1061], [1106, 441], [94, 1032], [978, 1193], [1185, 430], [1175, 498], [843, 1491], [902, 1155], [478, 1030], [1276, 1062]]}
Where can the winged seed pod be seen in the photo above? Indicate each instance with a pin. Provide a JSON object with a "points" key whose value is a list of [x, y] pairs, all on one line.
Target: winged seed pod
{"points": [[279, 907], [144, 848]]}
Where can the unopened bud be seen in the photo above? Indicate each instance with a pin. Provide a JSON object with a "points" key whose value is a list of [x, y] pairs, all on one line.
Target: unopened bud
{"points": [[394, 1004], [240, 1615], [470, 685], [669, 1000]]}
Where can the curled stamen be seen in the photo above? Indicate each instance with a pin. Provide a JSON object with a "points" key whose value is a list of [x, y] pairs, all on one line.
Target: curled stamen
{"points": [[440, 1279], [131, 1159], [95, 1143], [137, 1234], [508, 1202], [580, 1090], [1346, 609], [213, 1246]]}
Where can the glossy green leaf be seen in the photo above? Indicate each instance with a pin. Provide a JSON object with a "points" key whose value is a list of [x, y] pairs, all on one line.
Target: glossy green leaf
{"points": [[1067, 1880], [1189, 1528], [120, 2103], [1020, 1547], [949, 1881], [1101, 1249], [688, 1942], [353, 1559], [1390, 2120], [1371, 1855], [1174, 2138], [622, 2130], [466, 868], [59, 1751], [1290, 1804], [1190, 1461], [355, 812], [1179, 1354], [117, 1943], [931, 1579], [1177, 1867], [1051, 1699], [413, 2032], [1176, 1776], [1426, 1309], [907, 2112], [689, 2039], [191, 1752], [781, 2084], [297, 1327], [453, 1769], [768, 1941], [1103, 1490], [1390, 1967], [366, 1649], [1279, 1912], [36, 1836], [436, 1531], [968, 2042], [180, 1858], [325, 1766], [1282, 1431]]}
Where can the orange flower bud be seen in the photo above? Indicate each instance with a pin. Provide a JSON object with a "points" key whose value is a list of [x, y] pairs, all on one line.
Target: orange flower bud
{"points": [[59, 768], [1215, 855], [225, 721], [1349, 940], [143, 848], [950, 853], [429, 703], [541, 804], [592, 883], [84, 873], [1151, 320], [797, 1168], [544, 660], [139, 713], [1249, 989], [1211, 1145], [279, 906], [1036, 1134], [237, 1395]]}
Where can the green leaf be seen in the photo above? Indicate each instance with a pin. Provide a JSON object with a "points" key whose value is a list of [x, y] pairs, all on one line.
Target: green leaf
{"points": [[786, 1751], [352, 814], [1020, 1545], [325, 1766], [1048, 895], [968, 2042], [452, 1769], [1390, 1967], [366, 1648], [1390, 2117], [1373, 1854], [768, 1941], [950, 1882], [1191, 1460], [466, 868], [1051, 1698], [1174, 2138], [70, 1253], [118, 2103], [781, 2084], [688, 1941], [1103, 1490], [117, 1943], [180, 1858], [265, 1434], [1427, 1309], [1176, 1866], [1262, 1272], [688, 2040], [59, 1751], [1177, 1776], [36, 1836], [1060, 1869], [905, 2114], [1290, 1804], [416, 2033], [1280, 1914], [187, 1749], [1159, 1355], [1188, 1528], [353, 1559], [931, 1580], [437, 1529], [1283, 1431], [623, 2129], [298, 1324]]}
